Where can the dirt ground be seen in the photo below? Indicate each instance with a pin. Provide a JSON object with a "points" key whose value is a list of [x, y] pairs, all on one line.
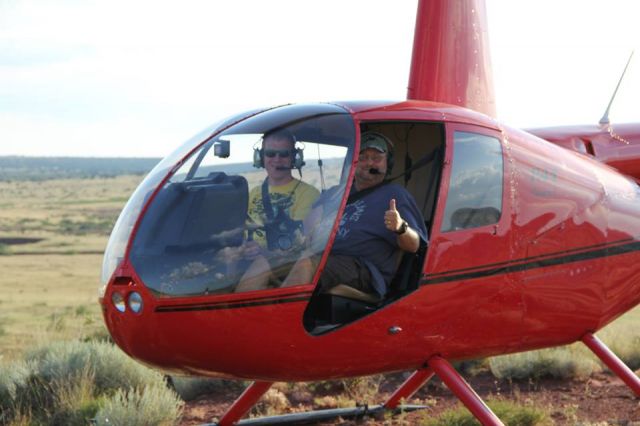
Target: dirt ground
{"points": [[601, 400]]}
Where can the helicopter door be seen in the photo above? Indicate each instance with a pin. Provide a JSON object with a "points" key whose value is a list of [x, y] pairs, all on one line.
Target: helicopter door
{"points": [[417, 157], [471, 245]]}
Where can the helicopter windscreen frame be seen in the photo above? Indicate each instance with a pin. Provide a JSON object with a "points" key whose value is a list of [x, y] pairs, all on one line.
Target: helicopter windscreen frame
{"points": [[192, 239]]}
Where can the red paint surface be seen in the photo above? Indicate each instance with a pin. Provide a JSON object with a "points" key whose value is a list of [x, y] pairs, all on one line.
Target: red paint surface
{"points": [[556, 204]]}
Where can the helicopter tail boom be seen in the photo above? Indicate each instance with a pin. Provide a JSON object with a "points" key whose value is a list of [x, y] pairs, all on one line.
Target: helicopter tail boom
{"points": [[450, 61]]}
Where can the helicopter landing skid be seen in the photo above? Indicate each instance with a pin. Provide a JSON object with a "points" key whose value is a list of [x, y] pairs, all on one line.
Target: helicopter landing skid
{"points": [[312, 417], [252, 394], [435, 365]]}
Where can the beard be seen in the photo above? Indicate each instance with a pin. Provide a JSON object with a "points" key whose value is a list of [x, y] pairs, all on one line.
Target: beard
{"points": [[365, 179]]}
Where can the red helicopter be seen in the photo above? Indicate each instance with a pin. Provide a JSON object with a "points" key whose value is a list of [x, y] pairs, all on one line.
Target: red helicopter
{"points": [[534, 237]]}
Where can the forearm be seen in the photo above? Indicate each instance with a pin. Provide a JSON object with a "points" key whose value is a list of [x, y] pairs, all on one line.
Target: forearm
{"points": [[409, 241]]}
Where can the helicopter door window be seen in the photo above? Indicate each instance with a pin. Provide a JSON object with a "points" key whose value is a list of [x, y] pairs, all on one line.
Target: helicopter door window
{"points": [[475, 190]]}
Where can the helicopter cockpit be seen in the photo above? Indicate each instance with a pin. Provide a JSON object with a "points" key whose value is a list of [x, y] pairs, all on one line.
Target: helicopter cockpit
{"points": [[191, 238], [187, 228]]}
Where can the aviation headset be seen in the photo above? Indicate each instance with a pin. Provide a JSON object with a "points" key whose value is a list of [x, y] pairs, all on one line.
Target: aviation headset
{"points": [[371, 137], [297, 152]]}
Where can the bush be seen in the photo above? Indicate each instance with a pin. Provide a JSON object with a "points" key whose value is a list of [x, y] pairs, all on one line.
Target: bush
{"points": [[14, 378], [189, 388], [273, 402], [111, 368], [510, 413], [628, 350], [11, 376], [74, 400], [362, 389], [68, 383], [559, 363], [155, 405]]}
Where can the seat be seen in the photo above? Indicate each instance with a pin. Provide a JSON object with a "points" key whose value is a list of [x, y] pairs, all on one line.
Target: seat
{"points": [[343, 304], [343, 290]]}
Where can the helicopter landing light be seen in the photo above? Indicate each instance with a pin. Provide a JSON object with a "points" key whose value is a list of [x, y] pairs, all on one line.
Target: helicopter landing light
{"points": [[135, 302], [118, 301]]}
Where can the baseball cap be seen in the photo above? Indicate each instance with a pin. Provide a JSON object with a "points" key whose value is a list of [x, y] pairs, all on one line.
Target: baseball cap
{"points": [[376, 141]]}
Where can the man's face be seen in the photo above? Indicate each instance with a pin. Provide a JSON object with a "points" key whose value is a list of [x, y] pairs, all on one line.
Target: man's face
{"points": [[278, 156], [369, 159]]}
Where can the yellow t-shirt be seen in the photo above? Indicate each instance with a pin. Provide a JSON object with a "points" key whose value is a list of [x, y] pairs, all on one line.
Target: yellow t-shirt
{"points": [[294, 198]]}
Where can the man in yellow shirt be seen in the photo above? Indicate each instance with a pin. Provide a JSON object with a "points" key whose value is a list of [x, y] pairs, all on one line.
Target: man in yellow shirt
{"points": [[276, 208]]}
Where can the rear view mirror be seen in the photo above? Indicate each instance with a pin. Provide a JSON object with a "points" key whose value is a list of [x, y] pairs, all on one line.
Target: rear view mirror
{"points": [[221, 149]]}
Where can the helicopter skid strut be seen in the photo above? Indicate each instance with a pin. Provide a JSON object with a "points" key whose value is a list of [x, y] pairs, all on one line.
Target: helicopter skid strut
{"points": [[243, 404], [435, 365], [614, 363]]}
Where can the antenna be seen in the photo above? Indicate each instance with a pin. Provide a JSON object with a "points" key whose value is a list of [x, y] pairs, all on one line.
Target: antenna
{"points": [[605, 118]]}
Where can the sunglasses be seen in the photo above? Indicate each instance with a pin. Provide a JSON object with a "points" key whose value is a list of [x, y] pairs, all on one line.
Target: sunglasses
{"points": [[374, 158], [282, 153]]}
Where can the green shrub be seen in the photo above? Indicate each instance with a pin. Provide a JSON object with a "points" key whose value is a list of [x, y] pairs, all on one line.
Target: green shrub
{"points": [[628, 350], [13, 379], [510, 413], [273, 402], [75, 402], [563, 363], [189, 388], [155, 405], [111, 368], [68, 383], [10, 377], [362, 389]]}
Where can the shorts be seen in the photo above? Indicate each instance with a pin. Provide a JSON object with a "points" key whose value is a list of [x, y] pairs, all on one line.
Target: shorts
{"points": [[348, 270]]}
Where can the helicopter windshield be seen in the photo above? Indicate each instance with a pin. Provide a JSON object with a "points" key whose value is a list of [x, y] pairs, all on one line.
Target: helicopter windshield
{"points": [[233, 213]]}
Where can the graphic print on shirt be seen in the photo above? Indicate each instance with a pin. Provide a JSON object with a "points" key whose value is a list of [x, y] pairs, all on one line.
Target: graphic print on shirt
{"points": [[352, 213]]}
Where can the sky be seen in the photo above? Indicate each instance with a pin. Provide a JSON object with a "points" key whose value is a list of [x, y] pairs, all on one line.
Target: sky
{"points": [[136, 78]]}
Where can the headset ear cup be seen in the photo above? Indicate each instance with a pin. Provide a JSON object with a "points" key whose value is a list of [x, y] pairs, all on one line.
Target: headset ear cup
{"points": [[258, 158], [389, 162]]}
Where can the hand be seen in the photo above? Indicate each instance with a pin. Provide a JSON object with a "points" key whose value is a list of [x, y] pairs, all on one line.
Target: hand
{"points": [[252, 249], [392, 218]]}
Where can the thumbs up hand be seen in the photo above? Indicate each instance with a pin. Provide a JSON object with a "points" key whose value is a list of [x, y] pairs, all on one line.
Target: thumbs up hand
{"points": [[392, 219]]}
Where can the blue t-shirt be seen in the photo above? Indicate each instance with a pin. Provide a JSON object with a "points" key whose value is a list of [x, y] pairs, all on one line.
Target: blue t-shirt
{"points": [[362, 232]]}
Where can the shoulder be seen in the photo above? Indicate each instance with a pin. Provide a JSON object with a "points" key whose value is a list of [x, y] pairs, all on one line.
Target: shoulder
{"points": [[332, 194], [307, 189], [404, 199], [255, 191], [395, 190]]}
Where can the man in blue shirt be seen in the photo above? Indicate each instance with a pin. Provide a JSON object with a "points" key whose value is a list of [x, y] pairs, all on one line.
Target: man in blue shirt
{"points": [[380, 221]]}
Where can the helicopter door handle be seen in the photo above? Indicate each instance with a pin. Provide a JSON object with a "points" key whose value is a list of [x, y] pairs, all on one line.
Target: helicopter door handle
{"points": [[395, 329]]}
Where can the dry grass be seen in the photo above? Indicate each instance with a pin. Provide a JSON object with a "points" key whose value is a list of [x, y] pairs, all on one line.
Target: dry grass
{"points": [[511, 414], [576, 360], [69, 215], [47, 297], [49, 288]]}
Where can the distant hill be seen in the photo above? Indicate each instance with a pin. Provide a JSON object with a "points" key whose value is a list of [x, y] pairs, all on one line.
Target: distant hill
{"points": [[43, 168]]}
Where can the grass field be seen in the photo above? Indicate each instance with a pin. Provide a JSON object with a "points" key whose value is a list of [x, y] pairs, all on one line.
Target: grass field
{"points": [[47, 297], [52, 235], [64, 215]]}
